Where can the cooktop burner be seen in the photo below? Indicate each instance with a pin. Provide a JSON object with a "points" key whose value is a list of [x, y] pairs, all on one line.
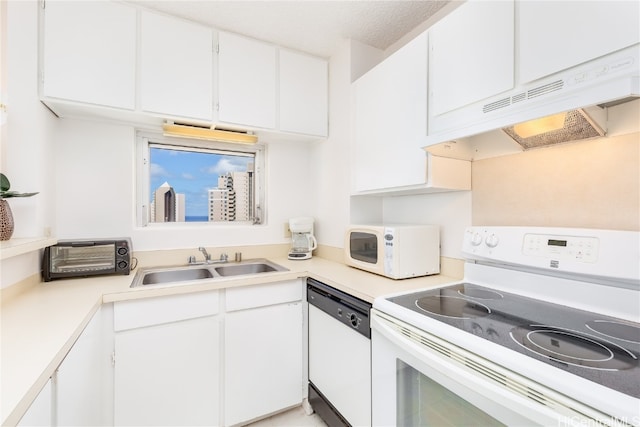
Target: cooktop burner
{"points": [[601, 349], [478, 293], [574, 348], [616, 329], [451, 306]]}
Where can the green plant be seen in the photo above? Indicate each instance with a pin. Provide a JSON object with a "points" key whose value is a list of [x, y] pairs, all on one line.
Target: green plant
{"points": [[5, 185]]}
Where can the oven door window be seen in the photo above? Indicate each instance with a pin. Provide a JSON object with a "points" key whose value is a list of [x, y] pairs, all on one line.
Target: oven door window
{"points": [[364, 247], [423, 402]]}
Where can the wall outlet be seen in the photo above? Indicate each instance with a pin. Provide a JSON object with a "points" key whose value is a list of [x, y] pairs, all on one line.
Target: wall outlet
{"points": [[287, 230]]}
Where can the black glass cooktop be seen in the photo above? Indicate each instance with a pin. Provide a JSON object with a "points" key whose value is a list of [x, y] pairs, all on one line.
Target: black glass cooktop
{"points": [[599, 348]]}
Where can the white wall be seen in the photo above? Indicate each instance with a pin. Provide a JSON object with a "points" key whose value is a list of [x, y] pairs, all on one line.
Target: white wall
{"points": [[451, 211], [95, 172], [26, 149]]}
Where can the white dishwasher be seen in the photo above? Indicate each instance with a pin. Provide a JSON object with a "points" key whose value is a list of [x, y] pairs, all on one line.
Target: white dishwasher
{"points": [[339, 356]]}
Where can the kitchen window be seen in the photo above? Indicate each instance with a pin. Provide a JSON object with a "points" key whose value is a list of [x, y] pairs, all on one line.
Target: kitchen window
{"points": [[184, 181]]}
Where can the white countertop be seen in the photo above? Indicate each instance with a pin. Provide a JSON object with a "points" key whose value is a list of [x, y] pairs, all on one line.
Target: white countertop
{"points": [[39, 326]]}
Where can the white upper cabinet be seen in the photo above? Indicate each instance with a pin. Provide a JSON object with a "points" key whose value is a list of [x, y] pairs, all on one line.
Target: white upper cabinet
{"points": [[176, 67], [556, 35], [304, 87], [246, 81], [471, 55], [390, 104], [90, 52]]}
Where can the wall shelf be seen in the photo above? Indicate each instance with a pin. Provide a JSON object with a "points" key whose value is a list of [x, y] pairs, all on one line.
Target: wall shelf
{"points": [[19, 246]]}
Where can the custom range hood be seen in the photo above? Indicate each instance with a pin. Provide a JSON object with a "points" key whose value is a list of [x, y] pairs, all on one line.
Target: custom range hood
{"points": [[576, 104]]}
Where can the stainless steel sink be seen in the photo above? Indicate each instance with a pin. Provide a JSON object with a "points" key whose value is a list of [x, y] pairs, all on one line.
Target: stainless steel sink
{"points": [[164, 275], [176, 276], [242, 269]]}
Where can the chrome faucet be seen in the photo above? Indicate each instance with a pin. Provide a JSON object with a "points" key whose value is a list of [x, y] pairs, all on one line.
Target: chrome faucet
{"points": [[207, 257]]}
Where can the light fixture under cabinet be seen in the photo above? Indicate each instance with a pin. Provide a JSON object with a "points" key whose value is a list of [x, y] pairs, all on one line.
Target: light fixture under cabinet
{"points": [[572, 125], [208, 134]]}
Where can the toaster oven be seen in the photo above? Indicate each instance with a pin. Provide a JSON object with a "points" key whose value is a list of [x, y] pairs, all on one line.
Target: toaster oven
{"points": [[83, 258]]}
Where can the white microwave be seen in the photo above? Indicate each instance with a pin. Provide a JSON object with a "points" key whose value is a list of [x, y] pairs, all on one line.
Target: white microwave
{"points": [[394, 251]]}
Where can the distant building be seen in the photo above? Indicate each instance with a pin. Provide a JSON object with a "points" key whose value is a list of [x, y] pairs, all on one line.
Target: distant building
{"points": [[231, 200], [167, 205]]}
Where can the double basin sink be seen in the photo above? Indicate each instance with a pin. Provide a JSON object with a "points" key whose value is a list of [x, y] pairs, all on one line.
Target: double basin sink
{"points": [[164, 275]]}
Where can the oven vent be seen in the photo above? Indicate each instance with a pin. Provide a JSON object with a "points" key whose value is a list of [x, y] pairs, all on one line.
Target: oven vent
{"points": [[498, 374], [450, 352]]}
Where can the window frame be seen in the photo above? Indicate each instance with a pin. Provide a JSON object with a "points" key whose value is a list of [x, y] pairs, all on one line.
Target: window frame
{"points": [[144, 142]]}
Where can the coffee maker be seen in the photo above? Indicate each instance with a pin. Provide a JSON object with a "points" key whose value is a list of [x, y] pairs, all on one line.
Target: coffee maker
{"points": [[303, 241]]}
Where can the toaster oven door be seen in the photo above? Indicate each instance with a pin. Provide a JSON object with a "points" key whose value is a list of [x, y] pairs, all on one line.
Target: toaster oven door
{"points": [[89, 258]]}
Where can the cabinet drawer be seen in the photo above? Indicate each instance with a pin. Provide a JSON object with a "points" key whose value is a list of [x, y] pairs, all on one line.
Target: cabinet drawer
{"points": [[263, 295], [166, 309]]}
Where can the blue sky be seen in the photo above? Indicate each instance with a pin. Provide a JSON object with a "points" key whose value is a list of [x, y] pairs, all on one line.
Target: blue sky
{"points": [[192, 174]]}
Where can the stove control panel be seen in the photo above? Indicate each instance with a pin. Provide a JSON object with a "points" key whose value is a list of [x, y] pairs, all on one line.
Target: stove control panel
{"points": [[599, 253], [579, 249]]}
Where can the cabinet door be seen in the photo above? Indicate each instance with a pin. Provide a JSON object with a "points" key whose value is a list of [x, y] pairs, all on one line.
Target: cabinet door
{"points": [[79, 388], [263, 361], [90, 52], [556, 35], [246, 81], [168, 374], [303, 94], [391, 121], [39, 413], [176, 67], [471, 55]]}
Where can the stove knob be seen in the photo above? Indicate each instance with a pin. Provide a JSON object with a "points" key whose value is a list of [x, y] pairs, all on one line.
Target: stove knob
{"points": [[476, 239], [492, 241]]}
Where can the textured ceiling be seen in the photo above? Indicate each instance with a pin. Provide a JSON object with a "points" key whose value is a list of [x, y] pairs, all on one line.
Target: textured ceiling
{"points": [[315, 27]]}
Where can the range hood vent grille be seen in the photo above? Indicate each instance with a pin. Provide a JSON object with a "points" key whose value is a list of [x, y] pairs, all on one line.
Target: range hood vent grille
{"points": [[577, 126], [522, 96]]}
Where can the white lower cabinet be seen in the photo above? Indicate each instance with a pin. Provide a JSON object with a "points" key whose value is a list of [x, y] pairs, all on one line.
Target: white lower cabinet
{"points": [[167, 373], [40, 413], [263, 367], [263, 361], [80, 387], [181, 360]]}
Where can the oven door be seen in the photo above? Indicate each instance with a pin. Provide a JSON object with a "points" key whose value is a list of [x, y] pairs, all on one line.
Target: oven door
{"points": [[421, 380]]}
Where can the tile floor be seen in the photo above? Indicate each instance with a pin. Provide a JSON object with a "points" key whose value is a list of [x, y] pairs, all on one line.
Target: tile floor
{"points": [[292, 418]]}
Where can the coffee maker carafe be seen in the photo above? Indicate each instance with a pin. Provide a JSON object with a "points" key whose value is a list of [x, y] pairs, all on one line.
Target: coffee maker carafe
{"points": [[303, 242]]}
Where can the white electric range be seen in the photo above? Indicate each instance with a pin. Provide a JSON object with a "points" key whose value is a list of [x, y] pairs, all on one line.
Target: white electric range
{"points": [[544, 329]]}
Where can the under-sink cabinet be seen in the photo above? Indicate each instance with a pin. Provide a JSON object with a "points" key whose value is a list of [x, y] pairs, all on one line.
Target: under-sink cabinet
{"points": [[167, 360], [263, 350], [219, 357]]}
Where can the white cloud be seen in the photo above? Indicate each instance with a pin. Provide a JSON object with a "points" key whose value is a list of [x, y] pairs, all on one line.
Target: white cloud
{"points": [[226, 165], [187, 175], [157, 170]]}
